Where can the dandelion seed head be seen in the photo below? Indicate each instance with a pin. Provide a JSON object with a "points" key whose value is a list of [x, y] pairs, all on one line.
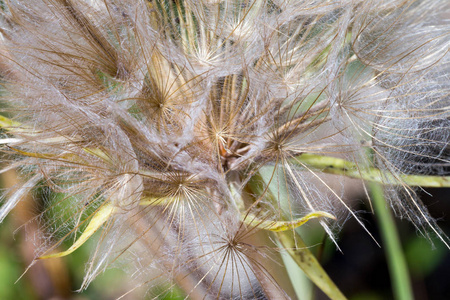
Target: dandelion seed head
{"points": [[173, 124]]}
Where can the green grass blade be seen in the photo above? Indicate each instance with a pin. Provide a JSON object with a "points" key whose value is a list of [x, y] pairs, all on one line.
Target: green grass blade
{"points": [[309, 264]]}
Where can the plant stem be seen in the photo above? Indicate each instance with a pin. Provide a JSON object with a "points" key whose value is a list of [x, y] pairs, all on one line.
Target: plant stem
{"points": [[339, 166], [396, 261]]}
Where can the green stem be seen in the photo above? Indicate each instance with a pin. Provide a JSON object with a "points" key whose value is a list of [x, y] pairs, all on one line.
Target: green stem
{"points": [[396, 261], [339, 166]]}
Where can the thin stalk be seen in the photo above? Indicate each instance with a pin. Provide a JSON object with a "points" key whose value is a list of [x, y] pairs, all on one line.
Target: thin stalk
{"points": [[398, 269], [339, 166]]}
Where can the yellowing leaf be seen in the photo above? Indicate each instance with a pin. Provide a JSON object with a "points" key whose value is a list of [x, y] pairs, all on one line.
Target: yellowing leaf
{"points": [[33, 154], [284, 225], [153, 201], [100, 217], [99, 153], [7, 123]]}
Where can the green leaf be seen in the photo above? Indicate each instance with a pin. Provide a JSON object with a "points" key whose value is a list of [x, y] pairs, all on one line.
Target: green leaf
{"points": [[298, 250]]}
